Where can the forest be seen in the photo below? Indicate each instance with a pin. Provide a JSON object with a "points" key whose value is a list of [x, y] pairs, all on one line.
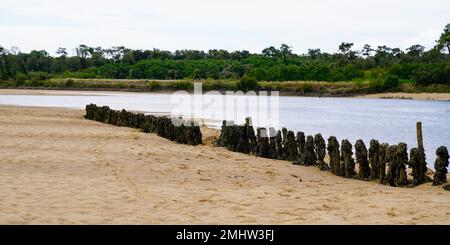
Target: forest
{"points": [[383, 65]]}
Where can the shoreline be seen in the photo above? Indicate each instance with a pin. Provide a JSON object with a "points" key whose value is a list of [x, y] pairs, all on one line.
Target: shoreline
{"points": [[94, 173], [81, 92], [408, 96]]}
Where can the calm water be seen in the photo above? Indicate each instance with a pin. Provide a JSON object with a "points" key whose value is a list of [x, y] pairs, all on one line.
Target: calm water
{"points": [[390, 121]]}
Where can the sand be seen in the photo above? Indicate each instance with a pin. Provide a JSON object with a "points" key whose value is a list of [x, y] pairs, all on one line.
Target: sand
{"points": [[414, 96], [57, 168], [411, 96]]}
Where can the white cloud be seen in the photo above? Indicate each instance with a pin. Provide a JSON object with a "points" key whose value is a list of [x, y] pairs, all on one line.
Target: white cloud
{"points": [[231, 24]]}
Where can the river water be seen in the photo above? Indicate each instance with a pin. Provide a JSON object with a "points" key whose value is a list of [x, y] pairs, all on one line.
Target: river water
{"points": [[391, 121]]}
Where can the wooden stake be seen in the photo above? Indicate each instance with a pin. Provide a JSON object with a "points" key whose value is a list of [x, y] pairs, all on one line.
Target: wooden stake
{"points": [[419, 135]]}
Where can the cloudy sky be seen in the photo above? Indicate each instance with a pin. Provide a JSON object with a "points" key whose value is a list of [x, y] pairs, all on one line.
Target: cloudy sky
{"points": [[225, 24]]}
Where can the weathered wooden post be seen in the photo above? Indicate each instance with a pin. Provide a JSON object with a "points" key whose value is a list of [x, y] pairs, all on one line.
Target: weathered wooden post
{"points": [[420, 168], [419, 135]]}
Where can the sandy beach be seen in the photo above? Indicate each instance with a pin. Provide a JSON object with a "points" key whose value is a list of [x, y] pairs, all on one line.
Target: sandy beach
{"points": [[58, 168], [414, 96], [411, 96]]}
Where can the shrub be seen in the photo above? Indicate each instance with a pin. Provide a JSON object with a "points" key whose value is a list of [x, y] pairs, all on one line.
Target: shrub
{"points": [[375, 87], [182, 85], [39, 76], [20, 80], [154, 85], [391, 81], [69, 83], [120, 85], [35, 83], [431, 73], [247, 83]]}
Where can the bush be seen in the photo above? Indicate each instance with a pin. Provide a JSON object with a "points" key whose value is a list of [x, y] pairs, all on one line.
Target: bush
{"points": [[375, 87], [403, 71], [39, 76], [431, 73], [34, 83], [69, 83], [120, 85], [391, 81], [154, 85], [219, 85], [305, 88], [247, 83], [182, 85], [20, 80]]}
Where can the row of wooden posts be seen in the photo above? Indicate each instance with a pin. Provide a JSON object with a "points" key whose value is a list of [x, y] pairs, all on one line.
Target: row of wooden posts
{"points": [[186, 132], [381, 162]]}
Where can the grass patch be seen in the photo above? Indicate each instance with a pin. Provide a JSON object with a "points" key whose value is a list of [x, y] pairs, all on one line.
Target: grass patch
{"points": [[309, 88]]}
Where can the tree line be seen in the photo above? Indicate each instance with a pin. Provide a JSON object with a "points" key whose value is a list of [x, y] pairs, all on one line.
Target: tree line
{"points": [[386, 65]]}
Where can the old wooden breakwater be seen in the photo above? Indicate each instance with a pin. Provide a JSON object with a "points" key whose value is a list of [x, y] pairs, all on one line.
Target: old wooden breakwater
{"points": [[382, 162], [187, 133]]}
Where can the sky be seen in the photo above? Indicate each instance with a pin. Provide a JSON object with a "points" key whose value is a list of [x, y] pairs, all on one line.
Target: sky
{"points": [[226, 24]]}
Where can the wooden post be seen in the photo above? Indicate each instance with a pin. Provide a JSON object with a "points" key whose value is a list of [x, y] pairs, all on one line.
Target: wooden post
{"points": [[419, 135]]}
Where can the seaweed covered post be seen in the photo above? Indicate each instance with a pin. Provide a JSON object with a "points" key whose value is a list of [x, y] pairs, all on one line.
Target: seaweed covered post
{"points": [[384, 148], [308, 157], [224, 134], [291, 147], [251, 135], [374, 159], [361, 160], [418, 159], [392, 173], [273, 143], [180, 130], [122, 118], [347, 160], [258, 142], [402, 157], [441, 165], [422, 168], [418, 165], [233, 137], [283, 155], [300, 143], [88, 109], [242, 137], [320, 147], [106, 114], [334, 154], [197, 135], [279, 144], [263, 143]]}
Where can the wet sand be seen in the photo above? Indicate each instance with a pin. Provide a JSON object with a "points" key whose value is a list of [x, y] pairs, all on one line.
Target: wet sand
{"points": [[414, 96], [410, 96], [58, 168]]}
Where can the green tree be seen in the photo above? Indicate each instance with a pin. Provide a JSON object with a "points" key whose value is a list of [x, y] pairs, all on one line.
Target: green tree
{"points": [[271, 52], [367, 50], [415, 50], [345, 47], [285, 52], [444, 39], [314, 53], [62, 52]]}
